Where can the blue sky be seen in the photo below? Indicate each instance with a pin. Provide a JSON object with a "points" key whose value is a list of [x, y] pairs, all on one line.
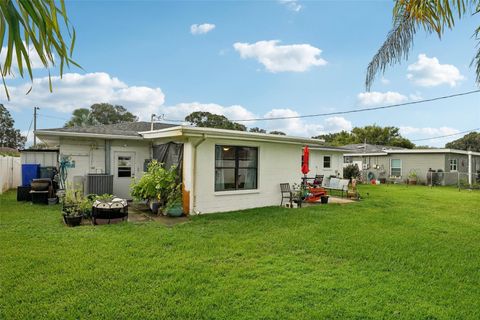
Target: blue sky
{"points": [[256, 59]]}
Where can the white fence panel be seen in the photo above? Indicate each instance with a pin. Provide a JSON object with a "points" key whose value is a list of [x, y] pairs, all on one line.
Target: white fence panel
{"points": [[10, 173]]}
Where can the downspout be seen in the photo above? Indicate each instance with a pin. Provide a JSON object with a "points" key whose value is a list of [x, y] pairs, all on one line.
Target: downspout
{"points": [[194, 165], [470, 168], [107, 156]]}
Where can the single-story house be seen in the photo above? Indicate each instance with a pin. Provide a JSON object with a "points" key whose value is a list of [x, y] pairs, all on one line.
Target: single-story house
{"points": [[222, 170], [393, 163]]}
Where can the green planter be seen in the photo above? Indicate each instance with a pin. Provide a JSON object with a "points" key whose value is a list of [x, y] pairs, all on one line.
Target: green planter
{"points": [[175, 211]]}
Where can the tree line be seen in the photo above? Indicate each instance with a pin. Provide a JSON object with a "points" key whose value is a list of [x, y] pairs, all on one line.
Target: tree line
{"points": [[105, 113]]}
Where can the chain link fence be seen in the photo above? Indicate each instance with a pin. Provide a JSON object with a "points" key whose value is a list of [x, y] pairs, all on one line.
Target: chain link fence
{"points": [[459, 179]]}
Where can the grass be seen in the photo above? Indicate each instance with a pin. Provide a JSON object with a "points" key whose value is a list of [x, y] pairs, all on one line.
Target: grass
{"points": [[403, 252]]}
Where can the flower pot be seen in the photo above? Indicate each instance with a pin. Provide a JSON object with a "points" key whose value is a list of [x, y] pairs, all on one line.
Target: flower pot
{"points": [[154, 206], [72, 221], [324, 199], [412, 181], [175, 211]]}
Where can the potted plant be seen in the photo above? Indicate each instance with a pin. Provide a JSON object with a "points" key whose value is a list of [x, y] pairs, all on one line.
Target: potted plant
{"points": [[155, 186], [412, 177], [174, 206], [73, 206]]}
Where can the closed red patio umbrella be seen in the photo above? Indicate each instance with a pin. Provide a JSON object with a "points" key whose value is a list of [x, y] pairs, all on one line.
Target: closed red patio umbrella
{"points": [[305, 160]]}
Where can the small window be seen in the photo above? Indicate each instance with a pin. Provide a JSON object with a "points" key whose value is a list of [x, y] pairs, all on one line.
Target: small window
{"points": [[235, 168], [327, 161], [124, 167], [396, 168], [453, 164]]}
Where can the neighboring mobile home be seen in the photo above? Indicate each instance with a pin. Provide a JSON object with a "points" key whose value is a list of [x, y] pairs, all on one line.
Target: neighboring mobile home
{"points": [[221, 170], [397, 164]]}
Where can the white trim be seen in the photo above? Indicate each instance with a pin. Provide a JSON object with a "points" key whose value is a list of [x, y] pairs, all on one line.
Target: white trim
{"points": [[323, 161], [234, 192], [44, 133], [227, 134], [450, 164], [387, 152], [373, 154], [401, 168]]}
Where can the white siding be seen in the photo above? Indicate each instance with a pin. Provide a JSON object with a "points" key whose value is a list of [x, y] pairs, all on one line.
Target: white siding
{"points": [[277, 163]]}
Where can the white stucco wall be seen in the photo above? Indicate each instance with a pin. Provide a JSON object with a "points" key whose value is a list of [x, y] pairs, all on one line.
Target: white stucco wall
{"points": [[316, 163], [277, 163], [89, 157]]}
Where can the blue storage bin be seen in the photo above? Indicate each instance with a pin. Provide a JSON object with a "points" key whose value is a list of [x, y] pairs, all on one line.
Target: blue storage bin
{"points": [[29, 172]]}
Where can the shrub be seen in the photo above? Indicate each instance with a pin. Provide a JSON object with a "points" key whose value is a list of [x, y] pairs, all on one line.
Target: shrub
{"points": [[351, 172]]}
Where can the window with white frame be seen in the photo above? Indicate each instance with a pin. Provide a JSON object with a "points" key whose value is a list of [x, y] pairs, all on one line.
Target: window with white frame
{"points": [[395, 168], [235, 168], [327, 161], [453, 164]]}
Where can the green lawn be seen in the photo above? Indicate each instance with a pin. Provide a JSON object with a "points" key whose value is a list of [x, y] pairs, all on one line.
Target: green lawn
{"points": [[403, 252]]}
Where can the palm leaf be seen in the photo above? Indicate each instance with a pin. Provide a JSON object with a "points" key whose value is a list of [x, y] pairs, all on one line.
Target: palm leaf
{"points": [[37, 21], [434, 16]]}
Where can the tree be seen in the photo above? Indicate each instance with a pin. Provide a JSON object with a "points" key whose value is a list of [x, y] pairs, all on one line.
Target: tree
{"points": [[336, 139], [469, 141], [210, 120], [257, 130], [280, 133], [388, 136], [9, 136], [434, 16], [80, 118], [100, 113], [41, 23]]}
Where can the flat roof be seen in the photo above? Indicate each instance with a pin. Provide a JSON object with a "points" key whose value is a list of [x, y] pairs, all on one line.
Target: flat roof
{"points": [[413, 151]]}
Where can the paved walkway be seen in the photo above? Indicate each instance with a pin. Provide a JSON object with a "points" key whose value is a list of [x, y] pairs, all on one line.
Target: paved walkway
{"points": [[141, 213]]}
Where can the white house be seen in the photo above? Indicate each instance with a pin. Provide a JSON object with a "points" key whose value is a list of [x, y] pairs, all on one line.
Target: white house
{"points": [[222, 170]]}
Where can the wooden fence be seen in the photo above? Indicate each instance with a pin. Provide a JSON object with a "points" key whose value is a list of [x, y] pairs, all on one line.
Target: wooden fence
{"points": [[10, 173]]}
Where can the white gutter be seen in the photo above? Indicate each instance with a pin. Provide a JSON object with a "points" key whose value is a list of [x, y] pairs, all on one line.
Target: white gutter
{"points": [[227, 134], [372, 154], [85, 135]]}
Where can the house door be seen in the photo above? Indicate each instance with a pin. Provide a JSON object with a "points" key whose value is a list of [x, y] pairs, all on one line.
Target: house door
{"points": [[124, 172]]}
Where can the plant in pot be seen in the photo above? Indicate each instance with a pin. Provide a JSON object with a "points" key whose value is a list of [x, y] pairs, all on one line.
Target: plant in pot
{"points": [[412, 177], [73, 206], [155, 186], [174, 206]]}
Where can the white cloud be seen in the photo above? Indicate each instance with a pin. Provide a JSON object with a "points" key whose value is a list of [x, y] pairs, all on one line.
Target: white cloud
{"points": [[292, 5], [181, 110], [82, 90], [428, 72], [280, 58], [298, 127], [384, 81], [374, 98], [201, 28], [429, 132]]}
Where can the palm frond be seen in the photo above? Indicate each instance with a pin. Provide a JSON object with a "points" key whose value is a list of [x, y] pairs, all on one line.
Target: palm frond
{"points": [[434, 16], [476, 59], [38, 22]]}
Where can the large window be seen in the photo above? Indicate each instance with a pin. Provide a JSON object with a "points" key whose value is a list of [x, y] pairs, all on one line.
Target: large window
{"points": [[395, 168], [235, 168], [453, 164], [327, 161]]}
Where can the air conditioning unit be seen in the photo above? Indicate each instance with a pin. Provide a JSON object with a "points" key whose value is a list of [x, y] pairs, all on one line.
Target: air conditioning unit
{"points": [[99, 183]]}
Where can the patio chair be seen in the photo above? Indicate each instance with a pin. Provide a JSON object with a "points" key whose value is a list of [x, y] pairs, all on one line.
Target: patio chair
{"points": [[288, 194]]}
